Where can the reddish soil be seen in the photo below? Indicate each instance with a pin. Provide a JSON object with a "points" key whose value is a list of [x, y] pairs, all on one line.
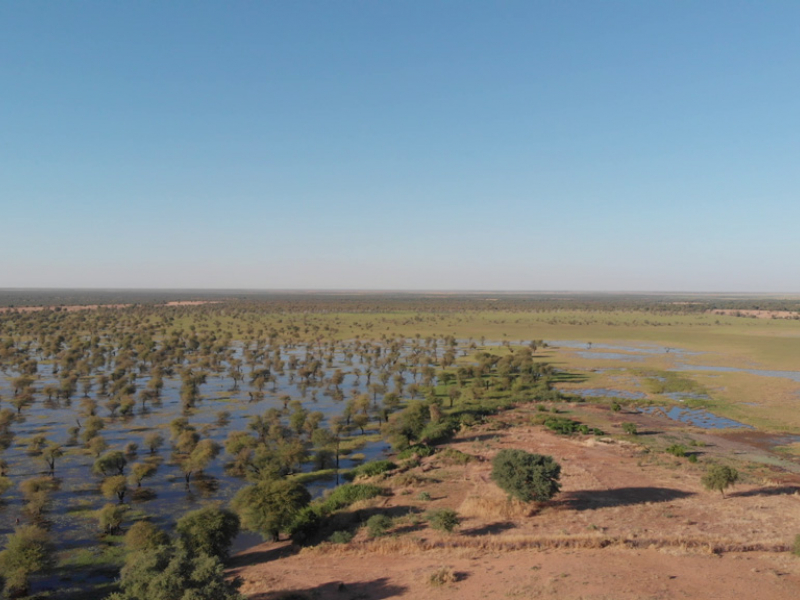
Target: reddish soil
{"points": [[629, 523]]}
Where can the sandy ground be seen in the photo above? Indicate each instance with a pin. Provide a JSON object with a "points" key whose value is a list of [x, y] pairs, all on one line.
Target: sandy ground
{"points": [[628, 524]]}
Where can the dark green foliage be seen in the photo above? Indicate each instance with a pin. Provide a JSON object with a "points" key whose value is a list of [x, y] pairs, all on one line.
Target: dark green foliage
{"points": [[270, 506], [562, 425], [209, 530], [676, 450], [420, 450], [307, 523], [378, 525], [347, 494], [526, 476], [719, 478], [370, 469], [444, 519], [340, 537], [436, 433], [167, 573], [629, 428], [28, 551]]}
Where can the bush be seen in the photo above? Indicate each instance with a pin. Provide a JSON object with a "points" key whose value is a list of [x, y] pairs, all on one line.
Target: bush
{"points": [[629, 428], [442, 576], [444, 519], [378, 525], [340, 537], [370, 469], [209, 530], [796, 545], [421, 450], [678, 450], [561, 425], [526, 476], [271, 506], [347, 494], [720, 477], [168, 573], [306, 524]]}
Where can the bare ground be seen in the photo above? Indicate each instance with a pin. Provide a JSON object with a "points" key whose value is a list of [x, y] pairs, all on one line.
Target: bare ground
{"points": [[628, 524]]}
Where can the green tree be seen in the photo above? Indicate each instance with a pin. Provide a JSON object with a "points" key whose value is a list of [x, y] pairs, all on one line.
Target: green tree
{"points": [[110, 517], [28, 551], [528, 477], [50, 453], [167, 573], [115, 487], [269, 507], [719, 478], [209, 530], [140, 471], [143, 535], [111, 463]]}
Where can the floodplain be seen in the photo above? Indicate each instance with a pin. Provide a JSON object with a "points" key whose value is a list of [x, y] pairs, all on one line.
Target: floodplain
{"points": [[238, 387]]}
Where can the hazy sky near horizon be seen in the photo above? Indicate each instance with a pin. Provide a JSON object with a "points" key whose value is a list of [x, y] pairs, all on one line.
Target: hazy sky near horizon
{"points": [[616, 145]]}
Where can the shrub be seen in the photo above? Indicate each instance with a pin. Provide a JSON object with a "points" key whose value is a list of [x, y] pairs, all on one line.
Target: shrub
{"points": [[796, 545], [347, 494], [720, 477], [371, 469], [442, 576], [271, 506], [340, 537], [420, 450], [378, 525], [444, 519], [307, 523], [453, 456], [209, 530], [424, 497], [168, 573], [629, 428], [526, 476], [561, 425], [678, 450]]}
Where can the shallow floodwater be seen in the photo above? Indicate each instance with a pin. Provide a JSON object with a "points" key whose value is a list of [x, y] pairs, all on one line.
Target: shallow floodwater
{"points": [[696, 417], [606, 393], [793, 375]]}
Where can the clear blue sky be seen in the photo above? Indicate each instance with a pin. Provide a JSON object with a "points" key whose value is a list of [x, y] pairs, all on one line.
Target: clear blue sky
{"points": [[401, 145]]}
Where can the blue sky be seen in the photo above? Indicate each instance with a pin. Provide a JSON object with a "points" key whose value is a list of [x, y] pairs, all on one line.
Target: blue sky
{"points": [[401, 145]]}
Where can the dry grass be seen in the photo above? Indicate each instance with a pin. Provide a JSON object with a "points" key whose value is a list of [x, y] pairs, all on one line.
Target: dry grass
{"points": [[495, 508], [442, 575], [406, 545]]}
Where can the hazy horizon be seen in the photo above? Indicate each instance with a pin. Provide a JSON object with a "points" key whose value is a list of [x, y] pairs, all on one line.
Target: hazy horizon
{"points": [[419, 146]]}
